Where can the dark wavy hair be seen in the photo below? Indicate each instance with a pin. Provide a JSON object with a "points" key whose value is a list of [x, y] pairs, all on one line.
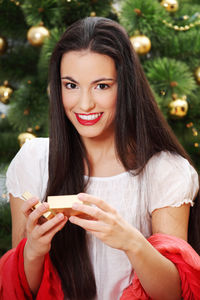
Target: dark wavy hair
{"points": [[140, 132]]}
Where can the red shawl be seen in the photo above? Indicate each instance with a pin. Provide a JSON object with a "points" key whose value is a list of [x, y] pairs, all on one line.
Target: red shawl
{"points": [[14, 285], [186, 260]]}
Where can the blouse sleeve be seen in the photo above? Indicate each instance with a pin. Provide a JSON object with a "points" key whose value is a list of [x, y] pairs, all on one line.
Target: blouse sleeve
{"points": [[28, 169], [173, 181]]}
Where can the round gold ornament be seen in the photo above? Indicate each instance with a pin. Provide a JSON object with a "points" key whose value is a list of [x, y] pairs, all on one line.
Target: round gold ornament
{"points": [[37, 34], [141, 44], [3, 45], [37, 127], [178, 107], [29, 129], [3, 116], [93, 14], [24, 136], [5, 92], [26, 112], [170, 5], [197, 75]]}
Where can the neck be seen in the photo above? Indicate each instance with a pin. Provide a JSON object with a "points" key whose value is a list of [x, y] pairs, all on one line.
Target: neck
{"points": [[99, 146], [102, 156]]}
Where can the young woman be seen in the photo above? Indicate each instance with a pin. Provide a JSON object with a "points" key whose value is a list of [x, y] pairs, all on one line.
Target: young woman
{"points": [[110, 144]]}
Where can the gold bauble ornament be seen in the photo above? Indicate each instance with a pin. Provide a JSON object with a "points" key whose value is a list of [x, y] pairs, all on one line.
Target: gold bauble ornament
{"points": [[37, 127], [25, 136], [93, 14], [141, 44], [197, 75], [178, 107], [3, 45], [37, 34], [5, 92], [170, 5], [3, 116]]}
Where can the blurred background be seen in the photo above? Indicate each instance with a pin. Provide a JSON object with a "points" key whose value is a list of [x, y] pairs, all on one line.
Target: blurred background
{"points": [[165, 35]]}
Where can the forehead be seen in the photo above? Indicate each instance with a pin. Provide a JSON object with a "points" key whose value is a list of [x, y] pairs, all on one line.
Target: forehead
{"points": [[87, 63]]}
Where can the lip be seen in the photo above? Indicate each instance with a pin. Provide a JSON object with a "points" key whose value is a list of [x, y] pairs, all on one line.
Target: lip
{"points": [[88, 122]]}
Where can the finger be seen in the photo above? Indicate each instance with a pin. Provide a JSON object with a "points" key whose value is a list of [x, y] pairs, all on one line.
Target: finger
{"points": [[28, 205], [94, 212], [49, 225], [88, 224], [96, 201], [35, 215], [56, 228]]}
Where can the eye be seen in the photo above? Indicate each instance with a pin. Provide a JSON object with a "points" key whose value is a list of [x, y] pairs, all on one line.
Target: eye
{"points": [[70, 85], [102, 86]]}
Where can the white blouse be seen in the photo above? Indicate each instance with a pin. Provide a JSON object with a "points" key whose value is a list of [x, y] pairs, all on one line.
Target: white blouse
{"points": [[168, 180]]}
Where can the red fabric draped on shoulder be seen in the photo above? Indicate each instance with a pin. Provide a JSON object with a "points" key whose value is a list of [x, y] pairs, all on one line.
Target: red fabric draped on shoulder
{"points": [[13, 283], [186, 260]]}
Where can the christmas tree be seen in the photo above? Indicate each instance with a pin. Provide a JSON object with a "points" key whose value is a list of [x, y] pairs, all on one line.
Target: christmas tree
{"points": [[166, 36], [29, 30]]}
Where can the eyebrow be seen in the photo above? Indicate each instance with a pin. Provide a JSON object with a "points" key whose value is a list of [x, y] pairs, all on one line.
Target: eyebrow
{"points": [[95, 81]]}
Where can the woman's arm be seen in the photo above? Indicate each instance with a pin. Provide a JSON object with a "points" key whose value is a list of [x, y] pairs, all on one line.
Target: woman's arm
{"points": [[158, 275], [38, 235], [18, 220], [148, 261]]}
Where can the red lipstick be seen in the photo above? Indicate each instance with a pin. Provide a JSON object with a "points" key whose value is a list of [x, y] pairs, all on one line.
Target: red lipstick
{"points": [[87, 122]]}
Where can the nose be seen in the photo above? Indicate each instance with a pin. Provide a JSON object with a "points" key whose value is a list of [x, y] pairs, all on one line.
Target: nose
{"points": [[86, 101]]}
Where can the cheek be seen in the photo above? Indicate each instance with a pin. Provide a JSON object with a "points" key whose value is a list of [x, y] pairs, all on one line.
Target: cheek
{"points": [[68, 101], [108, 101], [111, 102]]}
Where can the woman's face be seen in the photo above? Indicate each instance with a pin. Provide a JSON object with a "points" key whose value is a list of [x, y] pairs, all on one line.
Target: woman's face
{"points": [[89, 92]]}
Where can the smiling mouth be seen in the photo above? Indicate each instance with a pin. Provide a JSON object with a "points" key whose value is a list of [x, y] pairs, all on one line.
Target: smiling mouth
{"points": [[88, 119]]}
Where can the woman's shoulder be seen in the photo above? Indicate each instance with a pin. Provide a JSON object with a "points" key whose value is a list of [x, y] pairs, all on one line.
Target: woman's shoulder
{"points": [[37, 148], [171, 169], [37, 144], [166, 160], [28, 169], [172, 180]]}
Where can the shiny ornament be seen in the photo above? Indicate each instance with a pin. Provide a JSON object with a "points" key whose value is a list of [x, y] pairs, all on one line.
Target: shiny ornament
{"points": [[3, 45], [137, 11], [37, 34], [26, 112], [5, 92], [93, 14], [170, 5], [37, 127], [30, 129], [141, 44], [3, 116], [197, 75], [178, 108], [25, 136]]}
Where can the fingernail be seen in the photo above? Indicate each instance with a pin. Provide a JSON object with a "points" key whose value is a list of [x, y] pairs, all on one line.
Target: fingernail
{"points": [[71, 219], [75, 206], [60, 216], [81, 196]]}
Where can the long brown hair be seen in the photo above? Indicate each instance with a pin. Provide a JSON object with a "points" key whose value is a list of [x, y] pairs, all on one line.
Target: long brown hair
{"points": [[140, 132]]}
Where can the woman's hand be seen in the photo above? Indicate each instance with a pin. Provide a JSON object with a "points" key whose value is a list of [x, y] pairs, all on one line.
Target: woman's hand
{"points": [[105, 223], [40, 234]]}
